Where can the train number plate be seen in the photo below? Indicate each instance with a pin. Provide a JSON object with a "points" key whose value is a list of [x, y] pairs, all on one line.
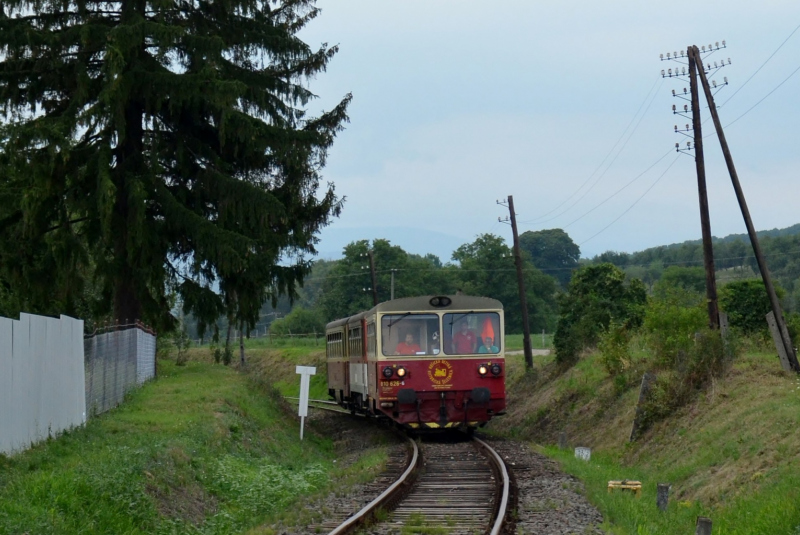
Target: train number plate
{"points": [[391, 383]]}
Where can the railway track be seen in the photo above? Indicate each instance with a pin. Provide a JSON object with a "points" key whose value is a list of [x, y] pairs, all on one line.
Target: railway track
{"points": [[448, 483], [461, 487]]}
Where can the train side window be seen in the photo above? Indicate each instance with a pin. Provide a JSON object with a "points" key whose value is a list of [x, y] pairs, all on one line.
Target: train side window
{"points": [[471, 333]]}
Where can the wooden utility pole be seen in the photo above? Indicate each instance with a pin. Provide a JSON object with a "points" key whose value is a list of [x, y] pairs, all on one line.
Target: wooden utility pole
{"points": [[523, 301], [374, 278], [705, 220], [751, 231]]}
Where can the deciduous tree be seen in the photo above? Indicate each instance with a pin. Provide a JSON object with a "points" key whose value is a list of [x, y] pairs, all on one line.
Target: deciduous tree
{"points": [[597, 296], [552, 251]]}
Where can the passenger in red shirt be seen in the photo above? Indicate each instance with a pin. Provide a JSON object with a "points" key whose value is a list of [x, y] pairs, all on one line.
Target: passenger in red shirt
{"points": [[408, 347], [464, 340]]}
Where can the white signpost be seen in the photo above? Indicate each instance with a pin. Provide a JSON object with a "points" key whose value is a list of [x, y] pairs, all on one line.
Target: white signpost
{"points": [[305, 377]]}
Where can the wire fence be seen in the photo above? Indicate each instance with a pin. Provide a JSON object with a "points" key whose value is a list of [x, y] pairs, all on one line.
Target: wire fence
{"points": [[117, 358]]}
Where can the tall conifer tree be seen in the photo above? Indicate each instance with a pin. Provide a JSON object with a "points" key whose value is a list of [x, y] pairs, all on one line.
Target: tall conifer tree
{"points": [[160, 145]]}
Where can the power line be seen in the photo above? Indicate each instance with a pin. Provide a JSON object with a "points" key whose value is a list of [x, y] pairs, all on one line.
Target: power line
{"points": [[762, 66], [764, 98], [618, 191], [613, 147], [634, 203]]}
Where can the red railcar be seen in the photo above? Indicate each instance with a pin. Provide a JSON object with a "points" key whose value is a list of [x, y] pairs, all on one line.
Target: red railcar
{"points": [[427, 362]]}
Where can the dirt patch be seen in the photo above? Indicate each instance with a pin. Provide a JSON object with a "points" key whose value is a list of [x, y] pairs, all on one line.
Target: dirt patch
{"points": [[189, 503]]}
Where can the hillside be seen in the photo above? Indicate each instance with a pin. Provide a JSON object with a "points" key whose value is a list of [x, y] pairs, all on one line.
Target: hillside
{"points": [[729, 455]]}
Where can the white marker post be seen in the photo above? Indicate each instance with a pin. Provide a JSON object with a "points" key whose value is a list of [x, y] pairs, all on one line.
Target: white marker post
{"points": [[305, 376]]}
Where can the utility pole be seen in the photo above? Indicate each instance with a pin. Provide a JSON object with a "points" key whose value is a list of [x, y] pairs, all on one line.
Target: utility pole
{"points": [[705, 220], [523, 301], [762, 264], [695, 132], [392, 293], [374, 278]]}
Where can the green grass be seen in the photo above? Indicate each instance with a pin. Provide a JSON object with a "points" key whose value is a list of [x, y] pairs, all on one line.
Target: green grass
{"points": [[730, 453], [774, 509], [514, 341], [204, 449]]}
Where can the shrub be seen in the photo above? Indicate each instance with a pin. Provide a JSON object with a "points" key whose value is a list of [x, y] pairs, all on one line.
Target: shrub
{"points": [[299, 321], [613, 348], [671, 320], [747, 304], [597, 295], [707, 357]]}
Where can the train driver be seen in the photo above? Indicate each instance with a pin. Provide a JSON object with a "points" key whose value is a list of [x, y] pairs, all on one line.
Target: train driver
{"points": [[464, 340], [408, 347]]}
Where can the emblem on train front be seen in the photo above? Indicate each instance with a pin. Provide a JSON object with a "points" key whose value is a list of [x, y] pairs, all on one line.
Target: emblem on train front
{"points": [[440, 372]]}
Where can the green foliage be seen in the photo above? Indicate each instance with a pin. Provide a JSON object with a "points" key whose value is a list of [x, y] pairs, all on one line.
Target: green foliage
{"points": [[733, 258], [298, 321], [691, 369], [182, 342], [552, 251], [486, 268], [597, 296], [688, 278], [672, 318], [747, 304], [152, 146], [346, 289], [203, 450], [613, 346]]}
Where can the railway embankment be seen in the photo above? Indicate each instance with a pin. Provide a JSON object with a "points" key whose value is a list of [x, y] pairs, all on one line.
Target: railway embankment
{"points": [[730, 454], [204, 448]]}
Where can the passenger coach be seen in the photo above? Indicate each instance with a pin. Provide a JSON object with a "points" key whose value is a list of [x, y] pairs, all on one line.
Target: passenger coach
{"points": [[426, 362]]}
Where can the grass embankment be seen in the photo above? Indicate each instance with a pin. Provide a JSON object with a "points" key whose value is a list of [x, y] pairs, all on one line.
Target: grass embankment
{"points": [[203, 449], [732, 454]]}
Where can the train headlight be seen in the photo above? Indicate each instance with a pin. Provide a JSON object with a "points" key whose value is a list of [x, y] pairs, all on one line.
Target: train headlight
{"points": [[387, 371], [482, 369], [496, 369], [401, 372]]}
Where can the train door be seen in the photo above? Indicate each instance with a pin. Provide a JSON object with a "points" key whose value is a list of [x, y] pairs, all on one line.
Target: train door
{"points": [[358, 365]]}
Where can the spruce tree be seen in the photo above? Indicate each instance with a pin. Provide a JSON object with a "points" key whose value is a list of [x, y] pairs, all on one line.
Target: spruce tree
{"points": [[157, 146]]}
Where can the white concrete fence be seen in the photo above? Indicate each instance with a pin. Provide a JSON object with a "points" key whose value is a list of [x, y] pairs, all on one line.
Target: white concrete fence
{"points": [[42, 380], [52, 379]]}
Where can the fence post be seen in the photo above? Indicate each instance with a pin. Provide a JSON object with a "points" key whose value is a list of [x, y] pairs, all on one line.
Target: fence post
{"points": [[703, 526], [662, 496], [647, 378], [562, 440]]}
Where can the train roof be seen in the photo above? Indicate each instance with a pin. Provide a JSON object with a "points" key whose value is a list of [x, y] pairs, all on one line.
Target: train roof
{"points": [[423, 304]]}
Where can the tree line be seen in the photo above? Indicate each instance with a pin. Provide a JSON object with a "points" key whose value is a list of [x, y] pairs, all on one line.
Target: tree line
{"points": [[733, 259], [482, 267]]}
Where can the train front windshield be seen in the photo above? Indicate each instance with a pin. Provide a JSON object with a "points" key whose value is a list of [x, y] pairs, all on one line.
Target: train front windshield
{"points": [[472, 333], [410, 334]]}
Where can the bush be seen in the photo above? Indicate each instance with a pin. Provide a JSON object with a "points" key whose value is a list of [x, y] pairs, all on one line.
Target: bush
{"points": [[598, 295], [671, 320], [613, 348], [707, 357], [298, 321], [747, 304]]}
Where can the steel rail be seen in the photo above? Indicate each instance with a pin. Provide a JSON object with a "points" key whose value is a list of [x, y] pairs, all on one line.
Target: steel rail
{"points": [[363, 514], [501, 511]]}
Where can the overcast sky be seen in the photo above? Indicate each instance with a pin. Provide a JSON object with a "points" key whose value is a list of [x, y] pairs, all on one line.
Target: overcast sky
{"points": [[457, 103]]}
